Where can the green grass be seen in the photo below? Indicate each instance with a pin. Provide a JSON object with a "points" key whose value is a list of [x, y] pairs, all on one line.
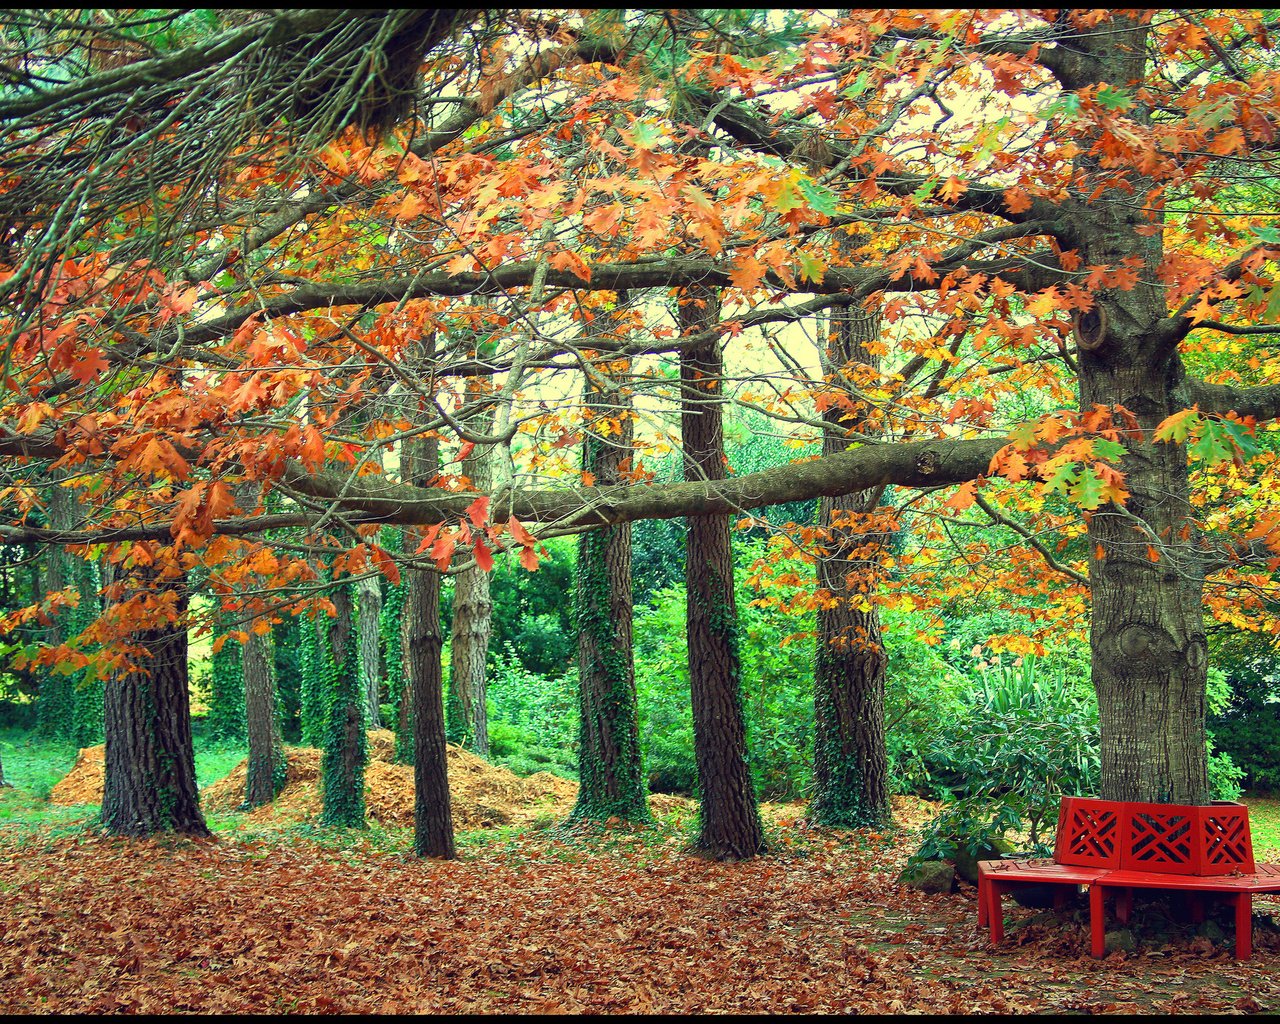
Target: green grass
{"points": [[1264, 824]]}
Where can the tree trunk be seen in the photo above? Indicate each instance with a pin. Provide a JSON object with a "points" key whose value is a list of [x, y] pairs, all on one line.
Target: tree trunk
{"points": [[55, 712], [729, 818], [150, 783], [371, 648], [610, 771], [345, 744], [423, 641], [267, 764], [850, 763], [472, 612], [1147, 633], [4, 783]]}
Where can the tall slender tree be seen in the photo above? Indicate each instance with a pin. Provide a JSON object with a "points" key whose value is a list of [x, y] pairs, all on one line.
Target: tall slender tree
{"points": [[267, 765], [423, 644], [850, 762], [729, 821], [610, 768], [472, 622], [346, 748]]}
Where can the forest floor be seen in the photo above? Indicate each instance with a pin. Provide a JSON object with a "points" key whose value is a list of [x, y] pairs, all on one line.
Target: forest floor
{"points": [[285, 916]]}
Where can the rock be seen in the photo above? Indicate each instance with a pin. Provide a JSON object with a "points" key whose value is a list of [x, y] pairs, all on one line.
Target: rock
{"points": [[1212, 931], [1120, 939], [967, 863], [931, 876]]}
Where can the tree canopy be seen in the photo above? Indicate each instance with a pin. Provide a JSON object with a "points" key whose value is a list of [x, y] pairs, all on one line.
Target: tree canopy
{"points": [[273, 248]]}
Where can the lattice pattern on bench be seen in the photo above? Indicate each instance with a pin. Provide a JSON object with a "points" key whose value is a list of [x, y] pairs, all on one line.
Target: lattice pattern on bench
{"points": [[1173, 839], [1161, 838], [1088, 833]]}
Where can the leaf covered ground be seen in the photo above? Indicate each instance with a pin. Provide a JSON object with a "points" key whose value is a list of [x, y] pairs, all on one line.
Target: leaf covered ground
{"points": [[306, 920]]}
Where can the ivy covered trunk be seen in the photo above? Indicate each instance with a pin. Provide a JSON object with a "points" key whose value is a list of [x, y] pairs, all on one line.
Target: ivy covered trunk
{"points": [[150, 782], [315, 683], [850, 762], [423, 642], [1147, 637], [472, 611], [610, 772], [370, 605], [729, 820], [267, 764], [390, 626], [345, 744], [226, 717]]}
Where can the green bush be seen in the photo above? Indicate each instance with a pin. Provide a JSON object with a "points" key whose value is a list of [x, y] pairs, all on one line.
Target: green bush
{"points": [[1025, 739], [777, 691], [533, 720], [1244, 712]]}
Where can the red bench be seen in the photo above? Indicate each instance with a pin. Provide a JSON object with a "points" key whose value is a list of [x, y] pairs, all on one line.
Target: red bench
{"points": [[1114, 846]]}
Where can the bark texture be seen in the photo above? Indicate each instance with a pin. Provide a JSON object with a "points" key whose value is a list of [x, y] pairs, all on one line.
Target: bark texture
{"points": [[345, 743], [370, 604], [850, 762], [150, 783], [423, 642], [472, 615], [267, 766], [729, 826], [1147, 633], [610, 770]]}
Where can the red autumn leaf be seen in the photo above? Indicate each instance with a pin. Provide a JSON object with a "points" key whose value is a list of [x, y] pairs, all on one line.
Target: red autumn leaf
{"points": [[88, 366], [517, 530], [478, 511], [484, 557]]}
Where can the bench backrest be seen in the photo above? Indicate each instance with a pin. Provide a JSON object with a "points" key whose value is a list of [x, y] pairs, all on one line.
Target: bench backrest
{"points": [[1176, 839]]}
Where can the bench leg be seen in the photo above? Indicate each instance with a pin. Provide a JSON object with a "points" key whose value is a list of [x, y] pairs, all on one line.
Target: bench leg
{"points": [[1196, 901], [1244, 925], [1124, 905], [995, 911], [1097, 920]]}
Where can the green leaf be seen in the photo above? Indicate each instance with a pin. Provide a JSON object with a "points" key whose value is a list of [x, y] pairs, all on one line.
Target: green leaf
{"points": [[820, 198], [1087, 493], [925, 190], [1066, 106], [1108, 450], [1269, 235], [1064, 477], [1114, 99], [646, 135]]}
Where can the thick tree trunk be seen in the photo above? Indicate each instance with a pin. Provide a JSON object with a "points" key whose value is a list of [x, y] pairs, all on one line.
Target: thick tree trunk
{"points": [[345, 744], [472, 614], [423, 641], [729, 818], [1147, 634], [610, 771], [266, 749], [4, 783], [850, 762], [370, 603], [150, 783]]}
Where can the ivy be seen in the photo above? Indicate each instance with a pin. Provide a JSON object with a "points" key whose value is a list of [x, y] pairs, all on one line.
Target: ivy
{"points": [[346, 747]]}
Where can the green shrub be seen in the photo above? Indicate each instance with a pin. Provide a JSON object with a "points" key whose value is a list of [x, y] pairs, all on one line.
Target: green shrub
{"points": [[1025, 739], [533, 720]]}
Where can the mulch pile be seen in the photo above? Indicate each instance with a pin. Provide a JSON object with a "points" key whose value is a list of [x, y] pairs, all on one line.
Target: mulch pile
{"points": [[483, 795]]}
